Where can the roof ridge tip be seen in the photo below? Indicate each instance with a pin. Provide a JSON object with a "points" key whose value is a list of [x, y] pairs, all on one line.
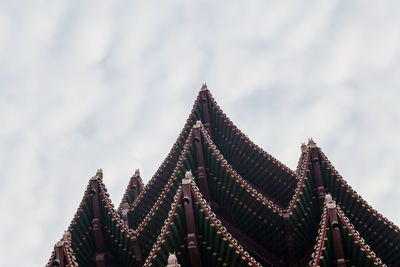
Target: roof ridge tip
{"points": [[204, 87], [98, 175], [311, 143], [198, 124]]}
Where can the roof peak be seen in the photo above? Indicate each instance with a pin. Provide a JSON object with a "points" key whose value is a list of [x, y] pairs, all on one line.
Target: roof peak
{"points": [[204, 87], [312, 143]]}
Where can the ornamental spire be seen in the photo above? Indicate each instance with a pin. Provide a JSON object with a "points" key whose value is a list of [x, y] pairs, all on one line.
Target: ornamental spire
{"points": [[204, 87]]}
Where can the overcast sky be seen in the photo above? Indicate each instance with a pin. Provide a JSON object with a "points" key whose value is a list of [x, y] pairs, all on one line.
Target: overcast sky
{"points": [[109, 84]]}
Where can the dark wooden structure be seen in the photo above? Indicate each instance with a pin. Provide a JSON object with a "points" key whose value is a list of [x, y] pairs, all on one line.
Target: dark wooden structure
{"points": [[220, 200]]}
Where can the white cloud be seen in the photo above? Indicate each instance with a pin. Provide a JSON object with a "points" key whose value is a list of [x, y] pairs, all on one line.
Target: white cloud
{"points": [[86, 86]]}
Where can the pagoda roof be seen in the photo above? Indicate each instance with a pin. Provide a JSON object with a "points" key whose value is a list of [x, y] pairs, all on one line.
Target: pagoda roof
{"points": [[134, 188], [356, 251], [246, 208], [216, 245]]}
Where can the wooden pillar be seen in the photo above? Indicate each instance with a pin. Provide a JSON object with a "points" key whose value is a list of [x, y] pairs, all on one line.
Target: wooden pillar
{"points": [[319, 184], [193, 247], [201, 170], [336, 234], [206, 112]]}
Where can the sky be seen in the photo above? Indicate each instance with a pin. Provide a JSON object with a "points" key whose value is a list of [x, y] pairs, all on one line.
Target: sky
{"points": [[109, 84]]}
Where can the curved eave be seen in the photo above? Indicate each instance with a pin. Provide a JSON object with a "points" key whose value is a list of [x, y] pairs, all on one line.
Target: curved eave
{"points": [[172, 157], [355, 195], [129, 190], [214, 220], [140, 209], [254, 193], [197, 198], [244, 137], [67, 251], [323, 252], [357, 238], [374, 227]]}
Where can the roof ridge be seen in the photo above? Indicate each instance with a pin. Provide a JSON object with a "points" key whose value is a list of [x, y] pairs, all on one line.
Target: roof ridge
{"points": [[128, 188], [245, 137], [320, 240], [113, 212], [254, 192], [316, 254], [173, 149], [357, 196], [84, 200], [165, 226], [356, 235], [162, 195], [302, 175], [213, 217]]}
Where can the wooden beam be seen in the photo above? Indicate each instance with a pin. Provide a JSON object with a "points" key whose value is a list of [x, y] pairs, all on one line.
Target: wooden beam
{"points": [[336, 234], [206, 112], [201, 170], [319, 184], [102, 258], [193, 247], [96, 221]]}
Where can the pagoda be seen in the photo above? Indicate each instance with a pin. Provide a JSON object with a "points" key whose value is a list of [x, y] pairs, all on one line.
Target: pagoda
{"points": [[220, 200]]}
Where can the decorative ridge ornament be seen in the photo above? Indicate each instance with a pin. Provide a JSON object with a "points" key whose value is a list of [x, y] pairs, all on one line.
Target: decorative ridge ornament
{"points": [[188, 178], [311, 143], [137, 173], [204, 87], [172, 261], [198, 124], [303, 147], [330, 203]]}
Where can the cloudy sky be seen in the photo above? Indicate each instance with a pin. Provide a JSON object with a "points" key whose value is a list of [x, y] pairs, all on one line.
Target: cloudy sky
{"points": [[109, 84]]}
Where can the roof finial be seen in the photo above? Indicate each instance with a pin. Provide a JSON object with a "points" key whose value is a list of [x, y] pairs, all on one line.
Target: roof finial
{"points": [[172, 261], [137, 173], [198, 124], [204, 87], [188, 177], [311, 143], [99, 175], [303, 147], [331, 204]]}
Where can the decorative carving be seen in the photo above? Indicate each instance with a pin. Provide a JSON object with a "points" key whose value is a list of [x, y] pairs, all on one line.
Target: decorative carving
{"points": [[172, 261]]}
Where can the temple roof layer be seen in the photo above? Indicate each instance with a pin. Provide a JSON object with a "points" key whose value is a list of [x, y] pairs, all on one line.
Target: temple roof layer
{"points": [[220, 200]]}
